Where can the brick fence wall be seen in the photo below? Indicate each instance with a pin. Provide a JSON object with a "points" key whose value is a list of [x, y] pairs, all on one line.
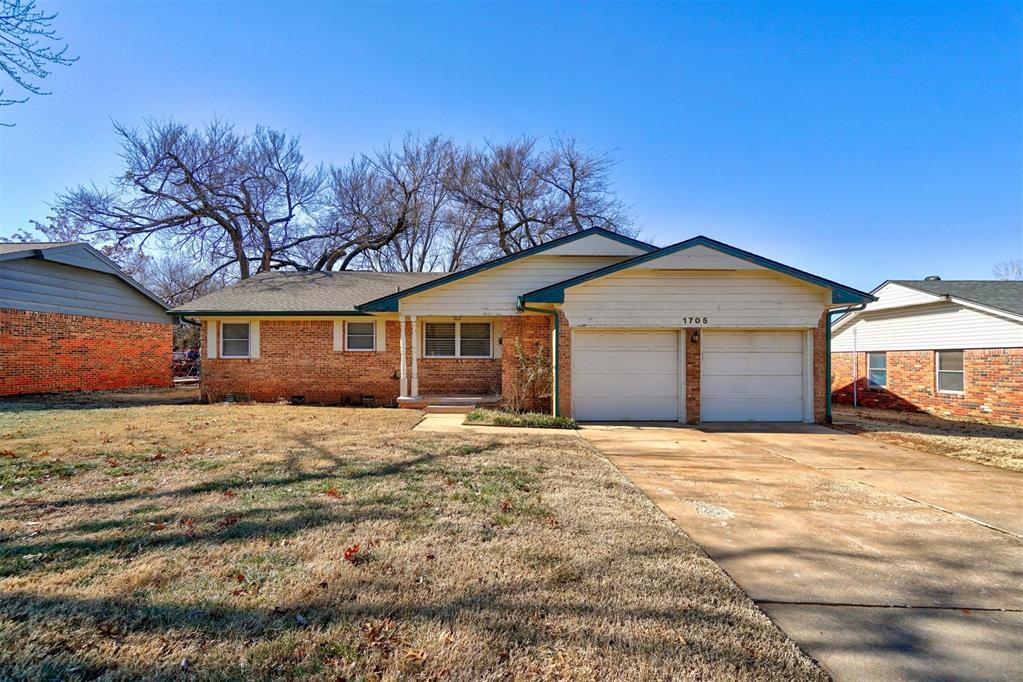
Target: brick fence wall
{"points": [[993, 383], [52, 352]]}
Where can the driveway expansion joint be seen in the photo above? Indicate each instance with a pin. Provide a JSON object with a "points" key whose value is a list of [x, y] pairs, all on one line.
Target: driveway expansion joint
{"points": [[854, 605]]}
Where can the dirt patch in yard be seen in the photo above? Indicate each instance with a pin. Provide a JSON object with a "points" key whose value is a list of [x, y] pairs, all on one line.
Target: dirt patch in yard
{"points": [[997, 446], [178, 540]]}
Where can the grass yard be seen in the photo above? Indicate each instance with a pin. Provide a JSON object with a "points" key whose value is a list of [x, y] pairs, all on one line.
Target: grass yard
{"points": [[997, 446], [144, 535], [533, 420]]}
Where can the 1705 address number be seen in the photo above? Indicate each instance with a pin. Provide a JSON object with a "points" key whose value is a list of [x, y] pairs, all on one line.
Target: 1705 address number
{"points": [[694, 320]]}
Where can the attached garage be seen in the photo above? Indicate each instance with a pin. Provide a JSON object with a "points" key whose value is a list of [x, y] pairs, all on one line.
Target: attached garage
{"points": [[753, 376], [625, 375], [696, 331]]}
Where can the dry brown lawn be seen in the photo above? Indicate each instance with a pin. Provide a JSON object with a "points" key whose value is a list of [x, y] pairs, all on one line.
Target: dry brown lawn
{"points": [[144, 535], [997, 446]]}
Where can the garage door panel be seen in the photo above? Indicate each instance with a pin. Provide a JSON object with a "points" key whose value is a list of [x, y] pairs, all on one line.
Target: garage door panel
{"points": [[613, 385], [754, 387], [744, 341], [648, 408], [751, 376], [623, 376], [733, 409], [624, 362], [746, 364]]}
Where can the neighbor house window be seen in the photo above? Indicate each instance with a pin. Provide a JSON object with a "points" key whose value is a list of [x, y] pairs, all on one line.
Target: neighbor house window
{"points": [[457, 340], [951, 378], [234, 340], [360, 336], [877, 370]]}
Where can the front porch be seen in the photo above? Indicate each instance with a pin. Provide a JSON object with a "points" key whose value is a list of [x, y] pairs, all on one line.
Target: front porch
{"points": [[449, 404]]}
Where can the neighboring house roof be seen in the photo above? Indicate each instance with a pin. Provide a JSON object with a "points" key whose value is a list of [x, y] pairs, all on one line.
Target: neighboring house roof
{"points": [[555, 293], [390, 303], [15, 248], [304, 293], [74, 254], [998, 294]]}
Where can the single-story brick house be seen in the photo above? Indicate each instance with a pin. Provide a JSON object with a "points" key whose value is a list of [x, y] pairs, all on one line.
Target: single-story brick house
{"points": [[696, 331], [949, 347], [71, 320]]}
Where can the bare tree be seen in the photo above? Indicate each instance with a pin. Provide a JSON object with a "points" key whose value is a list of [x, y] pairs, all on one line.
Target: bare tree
{"points": [[211, 194], [29, 46], [583, 182], [1010, 269], [178, 280], [522, 195], [386, 211]]}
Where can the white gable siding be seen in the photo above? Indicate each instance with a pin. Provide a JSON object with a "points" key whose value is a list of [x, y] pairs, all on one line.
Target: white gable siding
{"points": [[700, 257], [595, 245], [496, 291], [932, 327], [641, 297]]}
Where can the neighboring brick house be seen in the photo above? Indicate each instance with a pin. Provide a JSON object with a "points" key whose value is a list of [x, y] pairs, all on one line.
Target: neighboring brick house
{"points": [[71, 320], [614, 328], [949, 347]]}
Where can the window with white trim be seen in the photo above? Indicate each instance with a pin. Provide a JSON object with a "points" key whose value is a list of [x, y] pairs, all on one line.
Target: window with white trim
{"points": [[877, 370], [457, 339], [360, 336], [950, 371], [234, 339]]}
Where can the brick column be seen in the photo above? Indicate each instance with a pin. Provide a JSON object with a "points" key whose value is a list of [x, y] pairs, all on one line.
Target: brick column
{"points": [[692, 375]]}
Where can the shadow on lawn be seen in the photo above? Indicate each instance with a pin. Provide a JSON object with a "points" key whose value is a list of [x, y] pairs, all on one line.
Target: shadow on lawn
{"points": [[921, 423], [94, 400]]}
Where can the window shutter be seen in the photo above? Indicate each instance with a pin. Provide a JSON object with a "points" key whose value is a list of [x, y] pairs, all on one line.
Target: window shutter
{"points": [[211, 339], [254, 339], [381, 336], [339, 336]]}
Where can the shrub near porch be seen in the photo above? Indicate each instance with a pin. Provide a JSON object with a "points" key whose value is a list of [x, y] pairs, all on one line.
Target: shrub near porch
{"points": [[266, 541]]}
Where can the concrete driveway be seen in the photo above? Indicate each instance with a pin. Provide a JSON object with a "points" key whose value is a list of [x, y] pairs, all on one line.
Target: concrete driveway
{"points": [[881, 562]]}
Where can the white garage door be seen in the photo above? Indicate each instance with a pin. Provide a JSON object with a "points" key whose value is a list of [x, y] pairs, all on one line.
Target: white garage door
{"points": [[751, 376], [625, 376]]}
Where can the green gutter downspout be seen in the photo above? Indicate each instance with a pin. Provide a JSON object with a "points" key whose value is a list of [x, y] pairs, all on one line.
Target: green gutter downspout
{"points": [[554, 351], [827, 360]]}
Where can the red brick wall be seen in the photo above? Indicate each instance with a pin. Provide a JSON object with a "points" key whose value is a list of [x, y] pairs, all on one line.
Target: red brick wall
{"points": [[820, 371], [993, 384], [297, 358], [533, 332], [564, 366], [51, 352]]}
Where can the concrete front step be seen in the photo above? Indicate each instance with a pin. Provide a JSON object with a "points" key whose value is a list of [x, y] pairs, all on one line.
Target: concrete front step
{"points": [[449, 409]]}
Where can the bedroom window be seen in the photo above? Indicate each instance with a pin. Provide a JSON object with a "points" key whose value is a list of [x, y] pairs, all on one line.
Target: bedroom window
{"points": [[234, 340], [457, 340], [951, 377], [360, 336], [877, 370]]}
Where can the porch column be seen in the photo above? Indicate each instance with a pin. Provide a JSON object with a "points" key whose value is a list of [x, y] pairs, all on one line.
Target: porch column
{"points": [[415, 358], [403, 382]]}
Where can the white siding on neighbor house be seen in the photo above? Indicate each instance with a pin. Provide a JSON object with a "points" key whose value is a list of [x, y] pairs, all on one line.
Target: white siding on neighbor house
{"points": [[640, 297], [496, 291], [897, 296], [32, 284], [932, 327]]}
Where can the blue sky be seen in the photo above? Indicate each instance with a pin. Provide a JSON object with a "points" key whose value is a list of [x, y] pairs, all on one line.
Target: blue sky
{"points": [[859, 141]]}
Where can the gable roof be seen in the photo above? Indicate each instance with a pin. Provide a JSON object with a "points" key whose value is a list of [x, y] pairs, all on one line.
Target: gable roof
{"points": [[555, 293], [303, 293], [77, 255], [1005, 295], [390, 303]]}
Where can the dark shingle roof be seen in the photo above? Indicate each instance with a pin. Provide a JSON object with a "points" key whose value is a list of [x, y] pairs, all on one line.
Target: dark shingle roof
{"points": [[304, 292], [18, 247], [1003, 295]]}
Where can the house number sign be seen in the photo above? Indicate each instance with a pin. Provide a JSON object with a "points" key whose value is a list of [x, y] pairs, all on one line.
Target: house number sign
{"points": [[694, 320]]}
